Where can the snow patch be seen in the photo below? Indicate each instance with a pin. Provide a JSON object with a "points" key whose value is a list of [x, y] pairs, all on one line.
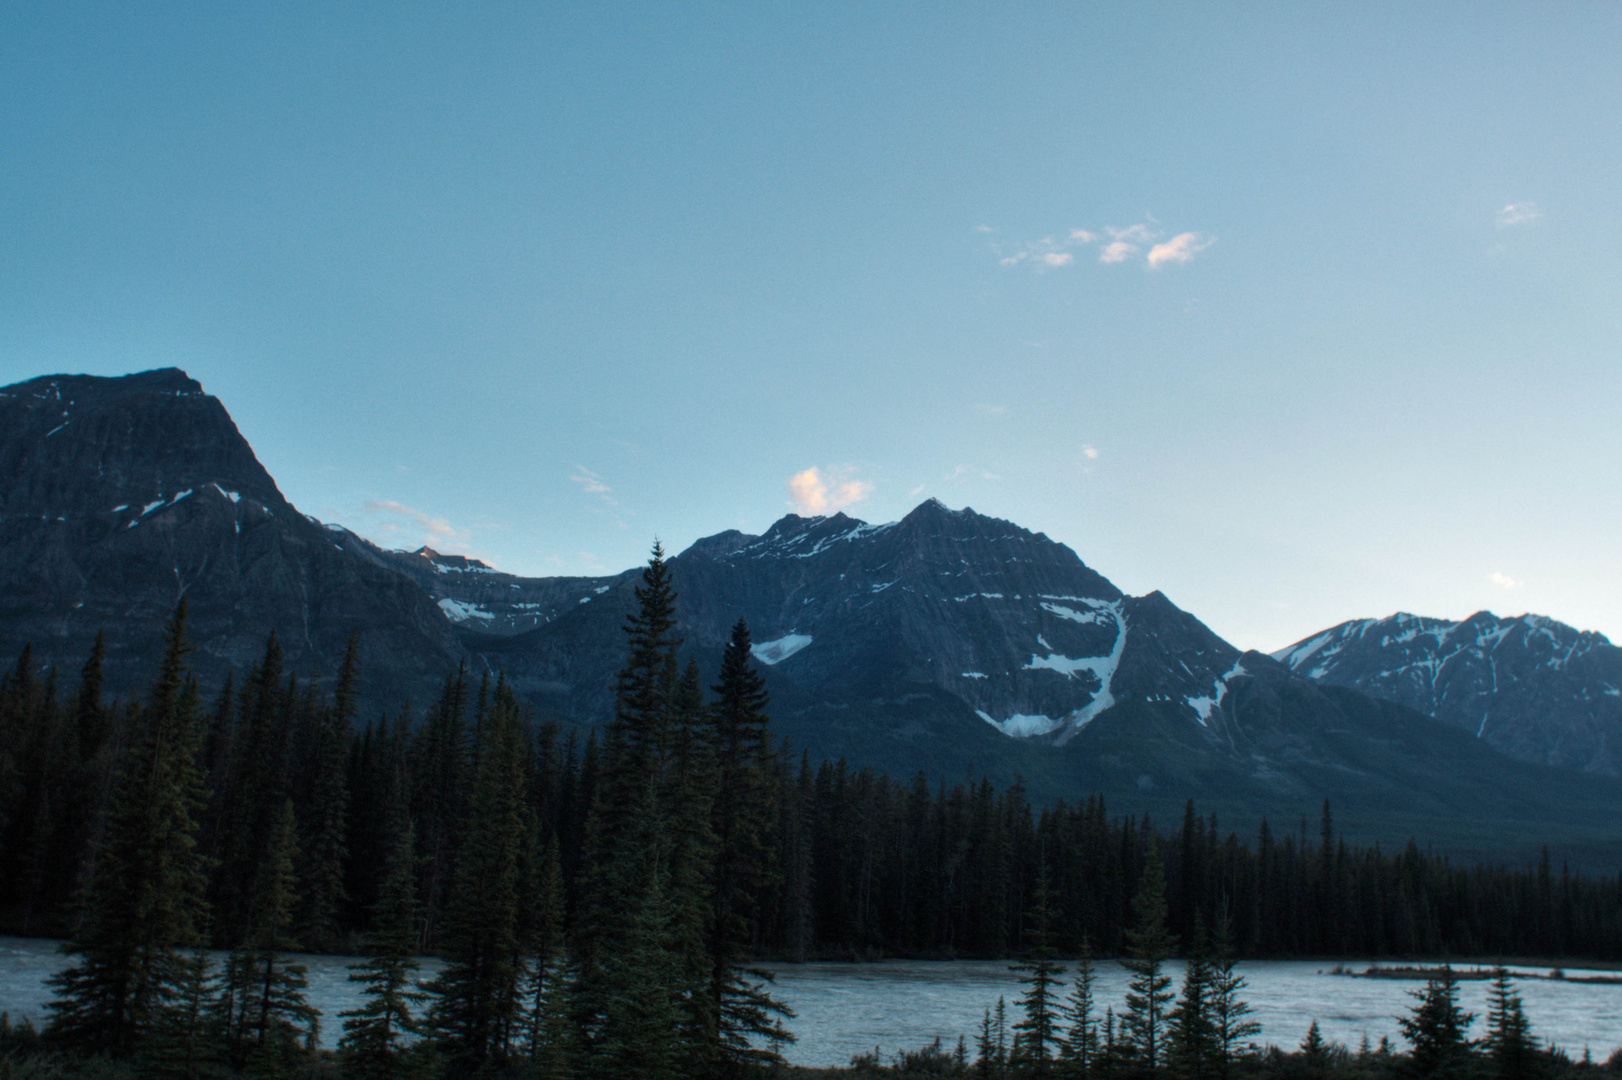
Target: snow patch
{"points": [[599, 590], [234, 496], [121, 506], [974, 674], [775, 652], [1204, 705], [1023, 725], [1085, 617], [151, 506], [458, 611]]}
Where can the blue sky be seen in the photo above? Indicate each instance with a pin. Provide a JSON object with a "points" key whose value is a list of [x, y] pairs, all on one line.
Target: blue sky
{"points": [[1296, 312]]}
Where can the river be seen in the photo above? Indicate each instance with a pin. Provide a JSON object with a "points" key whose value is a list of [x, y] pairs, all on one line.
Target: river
{"points": [[846, 1009]]}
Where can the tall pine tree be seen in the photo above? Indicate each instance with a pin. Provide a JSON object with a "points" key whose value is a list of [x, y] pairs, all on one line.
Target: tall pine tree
{"points": [[373, 1046], [144, 904]]}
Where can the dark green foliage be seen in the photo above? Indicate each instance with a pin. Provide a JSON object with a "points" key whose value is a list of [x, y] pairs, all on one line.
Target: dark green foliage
{"points": [[1193, 1051], [183, 1044], [1226, 1011], [478, 1006], [1436, 1027], [1143, 1022], [744, 871], [1037, 1035], [1079, 1048], [144, 901], [266, 1024], [325, 817], [1509, 1042], [373, 1046]]}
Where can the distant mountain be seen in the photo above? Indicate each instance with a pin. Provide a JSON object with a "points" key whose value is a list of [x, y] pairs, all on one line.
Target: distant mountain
{"points": [[118, 495], [1536, 689], [948, 642], [965, 645]]}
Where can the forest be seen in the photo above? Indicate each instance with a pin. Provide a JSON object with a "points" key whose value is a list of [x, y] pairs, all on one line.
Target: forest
{"points": [[607, 901]]}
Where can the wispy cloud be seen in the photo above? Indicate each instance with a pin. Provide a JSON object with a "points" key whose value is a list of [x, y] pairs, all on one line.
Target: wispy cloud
{"points": [[812, 492], [1519, 213], [1090, 453], [1504, 581], [390, 523], [1115, 245], [1179, 249], [592, 484], [971, 472]]}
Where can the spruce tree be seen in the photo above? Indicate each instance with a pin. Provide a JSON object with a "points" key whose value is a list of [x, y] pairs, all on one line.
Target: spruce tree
{"points": [[1037, 1035], [1192, 1044], [1314, 1051], [1080, 1046], [749, 1019], [1509, 1043], [373, 1044], [1226, 1010], [628, 1000], [267, 1023], [477, 1009], [184, 1043], [144, 903], [1149, 993], [550, 1040], [325, 821], [1436, 1026]]}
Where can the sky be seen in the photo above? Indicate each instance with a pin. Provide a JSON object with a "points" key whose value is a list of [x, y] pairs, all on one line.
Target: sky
{"points": [[1297, 313]]}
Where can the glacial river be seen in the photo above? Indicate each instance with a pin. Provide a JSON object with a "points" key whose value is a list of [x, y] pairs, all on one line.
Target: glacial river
{"points": [[846, 1009]]}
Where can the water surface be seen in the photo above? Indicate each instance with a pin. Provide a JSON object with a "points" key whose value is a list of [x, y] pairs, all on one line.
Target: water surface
{"points": [[846, 1009]]}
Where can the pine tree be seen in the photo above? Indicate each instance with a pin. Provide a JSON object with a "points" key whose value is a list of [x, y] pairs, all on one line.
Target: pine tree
{"points": [[1314, 1051], [144, 902], [1037, 1036], [630, 1010], [325, 825], [477, 1009], [184, 1044], [1436, 1026], [550, 1035], [373, 1045], [1225, 1008], [992, 1060], [1080, 1046], [1143, 1024], [745, 868], [267, 1022], [1192, 1042], [1509, 1042]]}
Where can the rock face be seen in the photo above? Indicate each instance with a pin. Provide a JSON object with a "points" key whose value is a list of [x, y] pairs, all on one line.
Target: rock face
{"points": [[948, 641], [966, 646], [117, 496], [1536, 689]]}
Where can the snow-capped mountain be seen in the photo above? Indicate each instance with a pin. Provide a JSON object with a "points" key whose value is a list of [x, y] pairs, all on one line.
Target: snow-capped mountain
{"points": [[1011, 625], [949, 642], [1535, 688]]}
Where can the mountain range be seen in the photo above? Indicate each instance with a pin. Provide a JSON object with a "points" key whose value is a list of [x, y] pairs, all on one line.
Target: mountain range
{"points": [[949, 641]]}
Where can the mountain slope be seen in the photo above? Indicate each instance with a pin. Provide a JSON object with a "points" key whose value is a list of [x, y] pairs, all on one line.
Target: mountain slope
{"points": [[119, 495], [1536, 689], [966, 646]]}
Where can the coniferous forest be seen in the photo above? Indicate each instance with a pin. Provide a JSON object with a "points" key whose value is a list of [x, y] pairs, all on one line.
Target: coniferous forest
{"points": [[604, 904]]}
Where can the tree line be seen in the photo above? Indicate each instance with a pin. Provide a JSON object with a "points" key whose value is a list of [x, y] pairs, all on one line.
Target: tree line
{"points": [[601, 902]]}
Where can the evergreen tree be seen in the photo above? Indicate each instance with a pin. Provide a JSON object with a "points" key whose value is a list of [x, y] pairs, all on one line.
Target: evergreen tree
{"points": [[184, 1044], [266, 1021], [144, 902], [1509, 1043], [550, 1041], [745, 868], [1143, 1023], [628, 933], [1436, 1026], [1037, 1036], [1192, 1043], [1080, 1046], [325, 821], [373, 1045], [991, 1063], [477, 1009], [1226, 1010], [1314, 1051]]}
